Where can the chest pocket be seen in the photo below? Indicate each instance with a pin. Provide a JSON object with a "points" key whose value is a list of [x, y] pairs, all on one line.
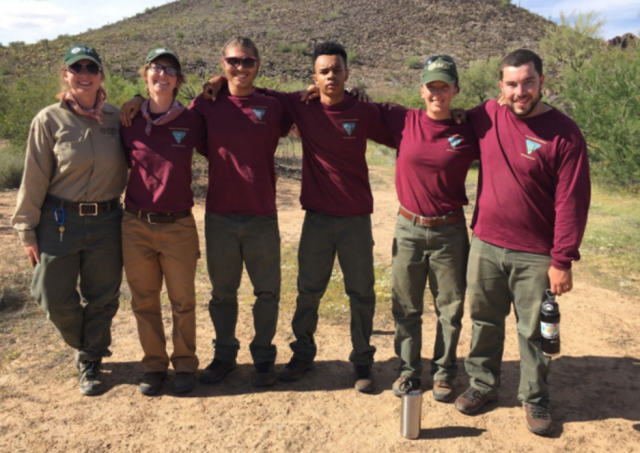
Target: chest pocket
{"points": [[73, 154]]}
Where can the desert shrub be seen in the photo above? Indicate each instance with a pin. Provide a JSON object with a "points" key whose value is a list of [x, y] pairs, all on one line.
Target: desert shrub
{"points": [[414, 63], [603, 97]]}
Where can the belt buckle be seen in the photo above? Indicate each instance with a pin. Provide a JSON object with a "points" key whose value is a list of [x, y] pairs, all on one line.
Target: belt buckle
{"points": [[149, 214], [81, 206]]}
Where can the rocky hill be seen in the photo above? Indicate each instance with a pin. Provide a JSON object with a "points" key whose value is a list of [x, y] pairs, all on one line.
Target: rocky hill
{"points": [[384, 38]]}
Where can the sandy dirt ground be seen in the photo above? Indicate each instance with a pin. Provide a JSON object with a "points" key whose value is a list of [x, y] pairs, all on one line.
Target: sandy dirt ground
{"points": [[595, 382]]}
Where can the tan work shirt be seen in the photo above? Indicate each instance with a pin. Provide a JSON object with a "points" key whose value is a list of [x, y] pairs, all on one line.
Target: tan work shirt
{"points": [[72, 158]]}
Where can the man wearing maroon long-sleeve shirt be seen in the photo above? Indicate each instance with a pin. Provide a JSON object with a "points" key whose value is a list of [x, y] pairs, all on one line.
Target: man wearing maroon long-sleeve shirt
{"points": [[337, 197], [531, 213]]}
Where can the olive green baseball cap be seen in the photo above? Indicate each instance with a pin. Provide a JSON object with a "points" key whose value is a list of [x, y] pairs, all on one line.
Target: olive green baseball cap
{"points": [[79, 52], [439, 67], [162, 52]]}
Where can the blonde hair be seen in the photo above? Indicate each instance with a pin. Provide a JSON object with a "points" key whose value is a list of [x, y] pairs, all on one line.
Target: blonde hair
{"points": [[241, 41], [180, 76]]}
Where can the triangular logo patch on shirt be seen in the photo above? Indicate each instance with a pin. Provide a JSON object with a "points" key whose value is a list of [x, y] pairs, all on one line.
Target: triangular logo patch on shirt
{"points": [[259, 113], [179, 135], [532, 146], [349, 127], [455, 141]]}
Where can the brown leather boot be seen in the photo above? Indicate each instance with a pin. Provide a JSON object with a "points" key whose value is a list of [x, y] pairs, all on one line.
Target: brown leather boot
{"points": [[442, 390], [472, 400], [538, 419]]}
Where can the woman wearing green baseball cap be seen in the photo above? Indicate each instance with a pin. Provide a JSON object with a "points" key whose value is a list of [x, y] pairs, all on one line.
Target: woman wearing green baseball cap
{"points": [[431, 240], [68, 212], [159, 235]]}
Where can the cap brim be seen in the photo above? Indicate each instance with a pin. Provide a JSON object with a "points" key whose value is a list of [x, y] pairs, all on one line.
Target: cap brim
{"points": [[77, 58], [437, 77], [165, 54]]}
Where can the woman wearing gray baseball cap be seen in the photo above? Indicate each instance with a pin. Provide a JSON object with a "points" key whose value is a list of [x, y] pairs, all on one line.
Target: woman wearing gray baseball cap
{"points": [[68, 212]]}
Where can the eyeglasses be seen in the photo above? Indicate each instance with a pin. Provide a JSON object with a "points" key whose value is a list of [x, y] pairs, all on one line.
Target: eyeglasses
{"points": [[433, 58], [245, 62], [168, 70], [91, 68]]}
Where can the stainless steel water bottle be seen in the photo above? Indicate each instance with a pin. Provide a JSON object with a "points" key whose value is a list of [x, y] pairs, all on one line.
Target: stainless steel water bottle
{"points": [[550, 325], [411, 411]]}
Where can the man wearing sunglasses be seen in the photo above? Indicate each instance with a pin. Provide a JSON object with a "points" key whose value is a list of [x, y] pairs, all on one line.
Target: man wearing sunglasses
{"points": [[337, 197], [530, 216]]}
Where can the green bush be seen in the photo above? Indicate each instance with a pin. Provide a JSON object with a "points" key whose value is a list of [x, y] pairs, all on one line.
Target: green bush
{"points": [[414, 63], [284, 47], [11, 166], [603, 97], [299, 48], [19, 103]]}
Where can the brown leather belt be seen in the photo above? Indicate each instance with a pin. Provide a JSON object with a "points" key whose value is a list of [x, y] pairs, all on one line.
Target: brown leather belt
{"points": [[158, 217], [84, 209], [452, 217]]}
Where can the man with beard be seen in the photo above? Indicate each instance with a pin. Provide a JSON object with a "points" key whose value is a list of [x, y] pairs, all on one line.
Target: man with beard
{"points": [[531, 213]]}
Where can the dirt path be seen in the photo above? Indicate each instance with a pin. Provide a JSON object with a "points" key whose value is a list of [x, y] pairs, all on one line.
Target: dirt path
{"points": [[595, 383]]}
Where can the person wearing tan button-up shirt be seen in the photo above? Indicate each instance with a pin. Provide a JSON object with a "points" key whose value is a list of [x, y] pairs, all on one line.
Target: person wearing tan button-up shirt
{"points": [[68, 212]]}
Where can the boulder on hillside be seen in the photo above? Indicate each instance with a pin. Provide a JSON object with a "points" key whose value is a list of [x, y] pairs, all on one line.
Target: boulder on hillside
{"points": [[622, 41]]}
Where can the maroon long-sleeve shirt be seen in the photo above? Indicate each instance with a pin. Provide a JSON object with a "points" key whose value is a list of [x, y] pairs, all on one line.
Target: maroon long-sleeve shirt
{"points": [[335, 176], [534, 188], [243, 134], [433, 160], [160, 177]]}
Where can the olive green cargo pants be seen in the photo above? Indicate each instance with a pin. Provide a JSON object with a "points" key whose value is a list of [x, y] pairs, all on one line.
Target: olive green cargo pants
{"points": [[255, 241], [91, 250], [323, 237], [441, 253], [497, 277]]}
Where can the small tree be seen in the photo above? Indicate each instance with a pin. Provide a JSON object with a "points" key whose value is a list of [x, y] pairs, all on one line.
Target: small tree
{"points": [[479, 83], [574, 41]]}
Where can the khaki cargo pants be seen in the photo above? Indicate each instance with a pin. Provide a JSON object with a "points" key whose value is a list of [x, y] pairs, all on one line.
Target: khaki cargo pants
{"points": [[151, 252]]}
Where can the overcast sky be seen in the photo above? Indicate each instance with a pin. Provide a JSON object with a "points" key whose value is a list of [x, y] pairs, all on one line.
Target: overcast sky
{"points": [[33, 20]]}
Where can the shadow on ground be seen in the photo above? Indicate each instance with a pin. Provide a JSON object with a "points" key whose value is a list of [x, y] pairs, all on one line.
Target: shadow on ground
{"points": [[575, 384]]}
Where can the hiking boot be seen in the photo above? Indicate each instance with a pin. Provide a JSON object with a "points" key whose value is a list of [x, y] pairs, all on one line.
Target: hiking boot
{"points": [[294, 370], [151, 382], [184, 382], [365, 382], [442, 390], [90, 374], [405, 384], [264, 375], [216, 371], [538, 419], [472, 400]]}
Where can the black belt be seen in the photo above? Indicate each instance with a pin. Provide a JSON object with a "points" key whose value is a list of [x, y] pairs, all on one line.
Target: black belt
{"points": [[158, 217], [452, 217], [84, 208]]}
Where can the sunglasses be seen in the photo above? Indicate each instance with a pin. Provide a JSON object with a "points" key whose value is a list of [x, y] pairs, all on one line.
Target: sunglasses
{"points": [[168, 70], [245, 62], [439, 57], [91, 68]]}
